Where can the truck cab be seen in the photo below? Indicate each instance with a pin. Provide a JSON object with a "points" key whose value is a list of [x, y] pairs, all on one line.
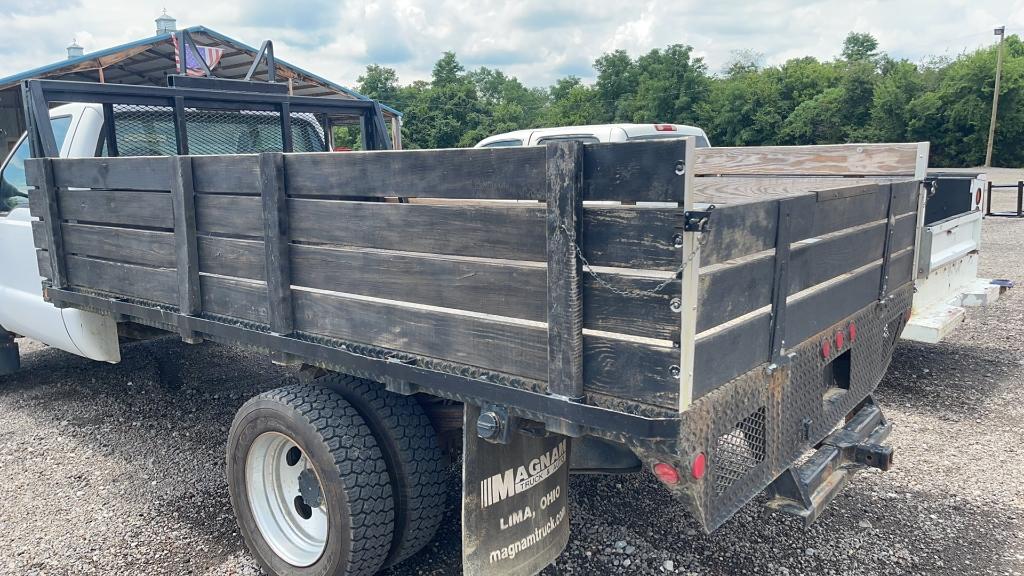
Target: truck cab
{"points": [[23, 311]]}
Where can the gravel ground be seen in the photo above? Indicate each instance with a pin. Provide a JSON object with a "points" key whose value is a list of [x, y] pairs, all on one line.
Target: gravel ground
{"points": [[118, 469]]}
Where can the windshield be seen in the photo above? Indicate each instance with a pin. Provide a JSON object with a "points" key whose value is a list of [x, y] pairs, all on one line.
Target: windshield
{"points": [[701, 141], [13, 188], [149, 131]]}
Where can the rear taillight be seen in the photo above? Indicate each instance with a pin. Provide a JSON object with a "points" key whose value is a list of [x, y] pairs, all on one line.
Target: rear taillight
{"points": [[840, 339], [700, 466], [664, 127], [826, 348], [853, 332], [977, 197], [666, 473]]}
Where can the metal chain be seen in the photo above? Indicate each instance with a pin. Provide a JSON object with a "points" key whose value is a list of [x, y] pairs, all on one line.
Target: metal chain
{"points": [[702, 239]]}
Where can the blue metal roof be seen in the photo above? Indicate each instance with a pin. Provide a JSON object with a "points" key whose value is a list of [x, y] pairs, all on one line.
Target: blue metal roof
{"points": [[56, 67]]}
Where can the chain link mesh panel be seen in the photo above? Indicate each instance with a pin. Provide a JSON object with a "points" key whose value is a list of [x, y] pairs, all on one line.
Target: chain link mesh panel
{"points": [[149, 131]]}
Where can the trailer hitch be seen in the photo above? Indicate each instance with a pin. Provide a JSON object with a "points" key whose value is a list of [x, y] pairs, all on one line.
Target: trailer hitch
{"points": [[806, 490]]}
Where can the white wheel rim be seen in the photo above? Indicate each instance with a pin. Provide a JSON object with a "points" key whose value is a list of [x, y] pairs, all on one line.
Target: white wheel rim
{"points": [[295, 531]]}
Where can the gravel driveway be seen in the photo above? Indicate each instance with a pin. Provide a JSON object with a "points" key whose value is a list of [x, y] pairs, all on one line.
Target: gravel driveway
{"points": [[118, 469]]}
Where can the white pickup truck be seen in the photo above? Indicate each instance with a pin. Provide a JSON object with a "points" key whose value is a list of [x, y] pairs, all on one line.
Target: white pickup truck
{"points": [[78, 130]]}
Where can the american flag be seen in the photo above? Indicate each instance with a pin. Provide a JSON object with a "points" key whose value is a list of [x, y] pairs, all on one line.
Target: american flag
{"points": [[193, 67]]}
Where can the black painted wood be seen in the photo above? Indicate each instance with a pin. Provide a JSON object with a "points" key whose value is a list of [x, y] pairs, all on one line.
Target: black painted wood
{"points": [[617, 367], [723, 355], [152, 284], [138, 209], [491, 173], [641, 171], [185, 246], [180, 125], [51, 215], [128, 173], [637, 171], [276, 237], [564, 270], [780, 280], [227, 174], [628, 237]]}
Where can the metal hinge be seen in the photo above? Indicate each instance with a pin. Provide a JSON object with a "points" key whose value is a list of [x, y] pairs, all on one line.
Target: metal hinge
{"points": [[697, 220]]}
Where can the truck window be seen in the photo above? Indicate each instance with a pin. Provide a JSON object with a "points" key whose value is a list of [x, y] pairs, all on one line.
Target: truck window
{"points": [[503, 143], [13, 188], [149, 131], [584, 138], [700, 141]]}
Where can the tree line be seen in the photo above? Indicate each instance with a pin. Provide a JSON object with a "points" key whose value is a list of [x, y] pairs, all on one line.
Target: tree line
{"points": [[863, 95]]}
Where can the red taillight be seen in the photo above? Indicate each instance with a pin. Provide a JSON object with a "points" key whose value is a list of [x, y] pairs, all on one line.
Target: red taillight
{"points": [[853, 332], [667, 474], [840, 339], [664, 127], [826, 348], [977, 197], [700, 466]]}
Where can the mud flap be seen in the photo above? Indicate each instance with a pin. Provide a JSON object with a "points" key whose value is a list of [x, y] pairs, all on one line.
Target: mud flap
{"points": [[10, 361], [515, 514]]}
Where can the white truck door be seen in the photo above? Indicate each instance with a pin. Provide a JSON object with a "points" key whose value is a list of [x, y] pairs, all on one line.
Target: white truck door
{"points": [[22, 308]]}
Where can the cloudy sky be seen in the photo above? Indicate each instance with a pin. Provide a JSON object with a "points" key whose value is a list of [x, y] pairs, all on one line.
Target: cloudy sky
{"points": [[536, 40]]}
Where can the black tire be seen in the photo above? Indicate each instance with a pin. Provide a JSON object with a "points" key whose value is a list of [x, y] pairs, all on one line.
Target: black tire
{"points": [[345, 455], [415, 461]]}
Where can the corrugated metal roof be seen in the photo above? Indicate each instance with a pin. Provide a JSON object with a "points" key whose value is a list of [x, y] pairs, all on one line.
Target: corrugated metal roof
{"points": [[149, 60]]}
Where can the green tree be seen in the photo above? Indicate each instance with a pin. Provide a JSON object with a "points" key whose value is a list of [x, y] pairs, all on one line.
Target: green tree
{"points": [[381, 84], [573, 104], [860, 46], [670, 85], [616, 84]]}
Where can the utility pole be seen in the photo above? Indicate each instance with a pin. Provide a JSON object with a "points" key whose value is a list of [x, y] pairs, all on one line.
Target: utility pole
{"points": [[1001, 32]]}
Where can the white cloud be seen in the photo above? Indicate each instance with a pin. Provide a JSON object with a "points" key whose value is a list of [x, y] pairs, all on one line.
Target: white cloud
{"points": [[535, 40]]}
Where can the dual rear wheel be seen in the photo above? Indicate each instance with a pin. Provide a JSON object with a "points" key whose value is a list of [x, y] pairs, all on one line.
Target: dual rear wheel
{"points": [[335, 478]]}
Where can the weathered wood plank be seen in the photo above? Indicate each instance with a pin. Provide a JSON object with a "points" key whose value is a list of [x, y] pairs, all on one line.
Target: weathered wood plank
{"points": [[638, 171], [239, 299], [564, 269], [276, 237], [238, 174], [512, 289], [143, 209], [494, 173], [43, 263], [127, 173], [741, 229], [723, 355], [728, 190], [730, 291], [235, 215], [153, 284], [814, 311], [618, 367], [232, 257], [186, 250], [826, 160], [146, 247], [51, 214], [631, 237]]}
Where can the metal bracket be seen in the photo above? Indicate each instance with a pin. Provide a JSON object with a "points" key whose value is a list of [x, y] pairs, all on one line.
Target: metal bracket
{"points": [[494, 424], [697, 220]]}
